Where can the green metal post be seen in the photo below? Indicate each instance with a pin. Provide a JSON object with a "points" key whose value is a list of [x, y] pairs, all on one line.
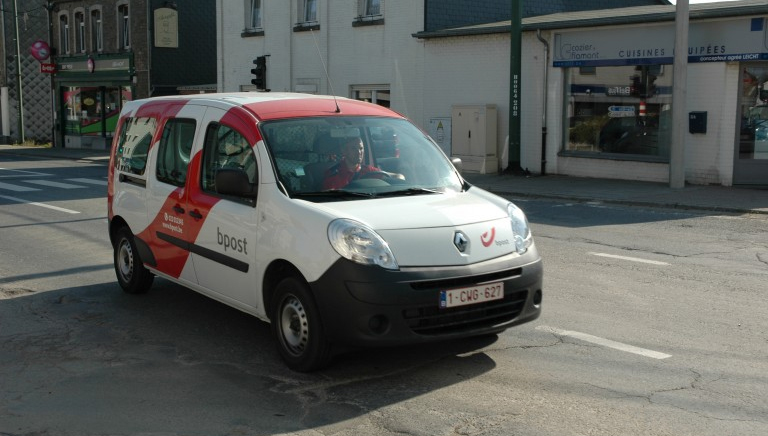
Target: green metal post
{"points": [[515, 85]]}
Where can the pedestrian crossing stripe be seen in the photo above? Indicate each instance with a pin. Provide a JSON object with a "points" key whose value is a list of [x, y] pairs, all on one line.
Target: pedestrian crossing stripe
{"points": [[8, 173], [90, 181], [17, 186], [52, 184]]}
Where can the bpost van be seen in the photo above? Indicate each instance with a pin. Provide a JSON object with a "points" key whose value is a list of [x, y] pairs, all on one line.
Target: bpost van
{"points": [[338, 222]]}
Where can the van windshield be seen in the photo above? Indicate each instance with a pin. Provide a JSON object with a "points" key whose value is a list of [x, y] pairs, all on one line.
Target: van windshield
{"points": [[328, 158]]}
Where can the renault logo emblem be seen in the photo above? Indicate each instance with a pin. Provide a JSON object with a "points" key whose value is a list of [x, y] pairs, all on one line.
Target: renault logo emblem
{"points": [[460, 241]]}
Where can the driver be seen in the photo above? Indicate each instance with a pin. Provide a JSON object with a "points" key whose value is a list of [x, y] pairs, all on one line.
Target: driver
{"points": [[350, 167]]}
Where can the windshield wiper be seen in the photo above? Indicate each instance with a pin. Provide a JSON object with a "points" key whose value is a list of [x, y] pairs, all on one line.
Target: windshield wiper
{"points": [[338, 193], [409, 191]]}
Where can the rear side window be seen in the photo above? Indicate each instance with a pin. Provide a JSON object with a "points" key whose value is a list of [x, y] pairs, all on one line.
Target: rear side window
{"points": [[173, 153], [133, 146], [225, 148]]}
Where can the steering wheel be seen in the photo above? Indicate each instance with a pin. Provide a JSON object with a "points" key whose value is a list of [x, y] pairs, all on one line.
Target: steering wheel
{"points": [[376, 175]]}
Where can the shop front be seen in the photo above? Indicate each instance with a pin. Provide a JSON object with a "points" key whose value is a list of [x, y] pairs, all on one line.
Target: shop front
{"points": [[90, 92], [618, 98]]}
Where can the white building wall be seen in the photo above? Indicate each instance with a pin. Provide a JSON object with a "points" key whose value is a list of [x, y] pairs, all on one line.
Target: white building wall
{"points": [[427, 77], [474, 70], [712, 87], [384, 55]]}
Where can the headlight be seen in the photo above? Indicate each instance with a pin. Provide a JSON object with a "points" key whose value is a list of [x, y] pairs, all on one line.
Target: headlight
{"points": [[523, 237], [360, 244]]}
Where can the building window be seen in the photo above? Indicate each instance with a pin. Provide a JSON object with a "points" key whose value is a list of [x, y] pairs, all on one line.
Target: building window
{"points": [[307, 16], [377, 94], [253, 15], [80, 32], [97, 31], [124, 27], [64, 33], [619, 111], [369, 12], [307, 11], [369, 8]]}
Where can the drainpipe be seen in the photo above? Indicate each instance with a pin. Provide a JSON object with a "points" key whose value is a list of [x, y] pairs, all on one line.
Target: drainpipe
{"points": [[544, 111]]}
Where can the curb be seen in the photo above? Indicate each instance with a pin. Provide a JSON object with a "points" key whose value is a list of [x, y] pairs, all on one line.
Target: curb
{"points": [[633, 203]]}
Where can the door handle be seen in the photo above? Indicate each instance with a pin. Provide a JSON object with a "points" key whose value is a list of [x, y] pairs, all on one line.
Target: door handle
{"points": [[195, 214], [178, 209]]}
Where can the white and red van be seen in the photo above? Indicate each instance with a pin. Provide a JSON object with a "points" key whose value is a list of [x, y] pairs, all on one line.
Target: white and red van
{"points": [[229, 195]]}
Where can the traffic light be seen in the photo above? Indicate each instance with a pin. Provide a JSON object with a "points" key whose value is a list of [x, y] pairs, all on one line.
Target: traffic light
{"points": [[260, 72], [650, 89], [637, 87]]}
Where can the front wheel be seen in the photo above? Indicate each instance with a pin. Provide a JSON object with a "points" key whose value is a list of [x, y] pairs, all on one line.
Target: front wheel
{"points": [[296, 326], [129, 268]]}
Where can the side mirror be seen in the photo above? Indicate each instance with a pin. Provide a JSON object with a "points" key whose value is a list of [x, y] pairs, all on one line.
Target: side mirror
{"points": [[457, 164], [232, 181]]}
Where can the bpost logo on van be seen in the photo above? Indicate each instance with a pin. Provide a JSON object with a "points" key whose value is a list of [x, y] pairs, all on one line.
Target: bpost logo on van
{"points": [[489, 238]]}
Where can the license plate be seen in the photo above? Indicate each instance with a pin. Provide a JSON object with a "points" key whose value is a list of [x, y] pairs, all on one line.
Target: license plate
{"points": [[471, 295]]}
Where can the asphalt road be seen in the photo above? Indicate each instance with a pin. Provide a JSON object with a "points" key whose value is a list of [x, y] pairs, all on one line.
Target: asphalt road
{"points": [[653, 324]]}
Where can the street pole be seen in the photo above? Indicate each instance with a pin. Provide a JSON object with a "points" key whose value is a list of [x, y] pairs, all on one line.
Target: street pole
{"points": [[679, 103], [18, 72], [49, 8], [514, 84]]}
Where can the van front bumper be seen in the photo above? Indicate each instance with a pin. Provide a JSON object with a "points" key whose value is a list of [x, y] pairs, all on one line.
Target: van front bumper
{"points": [[370, 306]]}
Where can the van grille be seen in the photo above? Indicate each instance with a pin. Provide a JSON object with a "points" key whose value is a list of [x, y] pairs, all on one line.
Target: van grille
{"points": [[431, 320]]}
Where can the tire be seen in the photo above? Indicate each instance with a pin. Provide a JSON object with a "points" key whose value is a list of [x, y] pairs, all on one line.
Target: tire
{"points": [[297, 327], [129, 268]]}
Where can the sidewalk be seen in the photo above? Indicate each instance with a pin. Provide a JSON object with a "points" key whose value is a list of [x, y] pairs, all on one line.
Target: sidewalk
{"points": [[627, 192]]}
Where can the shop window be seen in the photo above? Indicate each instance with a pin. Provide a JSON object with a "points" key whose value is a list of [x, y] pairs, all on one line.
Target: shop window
{"points": [[753, 106], [93, 111], [97, 31], [174, 151], [124, 27], [79, 32], [377, 94], [619, 111], [64, 33]]}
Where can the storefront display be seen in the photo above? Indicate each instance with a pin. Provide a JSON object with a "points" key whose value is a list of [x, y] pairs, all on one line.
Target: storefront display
{"points": [[91, 91], [93, 110], [624, 110]]}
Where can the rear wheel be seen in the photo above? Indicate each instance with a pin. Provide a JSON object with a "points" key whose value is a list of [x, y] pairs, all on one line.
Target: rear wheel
{"points": [[130, 271], [297, 328]]}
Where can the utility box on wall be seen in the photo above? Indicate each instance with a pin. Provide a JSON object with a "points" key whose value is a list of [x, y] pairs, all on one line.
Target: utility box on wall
{"points": [[473, 137]]}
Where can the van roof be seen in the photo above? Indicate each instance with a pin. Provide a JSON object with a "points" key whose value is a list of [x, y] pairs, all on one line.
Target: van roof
{"points": [[278, 105]]}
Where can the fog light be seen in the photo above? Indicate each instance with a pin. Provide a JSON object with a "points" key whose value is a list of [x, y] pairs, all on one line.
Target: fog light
{"points": [[378, 324], [537, 296]]}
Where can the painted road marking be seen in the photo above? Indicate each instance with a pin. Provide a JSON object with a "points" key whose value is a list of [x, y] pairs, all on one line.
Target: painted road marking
{"points": [[632, 259], [605, 342], [34, 203], [23, 173], [16, 188], [90, 181], [52, 184]]}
